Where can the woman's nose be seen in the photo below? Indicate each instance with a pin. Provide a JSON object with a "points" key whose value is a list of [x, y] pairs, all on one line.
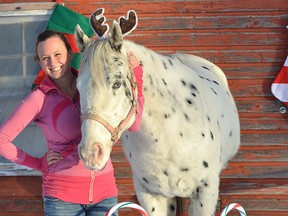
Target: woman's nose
{"points": [[52, 60]]}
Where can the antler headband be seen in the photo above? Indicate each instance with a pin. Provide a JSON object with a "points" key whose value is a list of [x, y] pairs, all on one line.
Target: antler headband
{"points": [[97, 22], [127, 24]]}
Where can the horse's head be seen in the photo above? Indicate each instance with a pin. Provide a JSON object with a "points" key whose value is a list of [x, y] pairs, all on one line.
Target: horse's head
{"points": [[107, 95]]}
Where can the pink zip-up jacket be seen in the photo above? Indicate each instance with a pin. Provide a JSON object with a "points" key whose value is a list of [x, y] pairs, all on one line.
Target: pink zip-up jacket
{"points": [[59, 118]]}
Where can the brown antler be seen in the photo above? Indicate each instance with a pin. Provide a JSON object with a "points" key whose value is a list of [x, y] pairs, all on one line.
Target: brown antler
{"points": [[128, 24], [97, 22]]}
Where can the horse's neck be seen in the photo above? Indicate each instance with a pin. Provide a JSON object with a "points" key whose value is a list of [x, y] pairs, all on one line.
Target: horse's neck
{"points": [[150, 59], [161, 83]]}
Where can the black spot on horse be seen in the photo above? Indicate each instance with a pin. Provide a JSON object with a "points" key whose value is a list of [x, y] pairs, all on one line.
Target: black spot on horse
{"points": [[183, 82], [165, 66], [164, 82], [205, 164], [146, 181], [165, 172], [189, 101], [166, 116], [198, 190], [128, 93], [171, 63], [184, 169], [118, 75], [230, 134], [160, 92], [186, 117], [212, 136], [214, 91], [204, 183], [216, 82], [124, 83], [151, 80], [193, 87], [205, 68]]}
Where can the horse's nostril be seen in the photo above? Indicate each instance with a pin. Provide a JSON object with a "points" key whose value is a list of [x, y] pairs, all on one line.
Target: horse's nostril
{"points": [[98, 152]]}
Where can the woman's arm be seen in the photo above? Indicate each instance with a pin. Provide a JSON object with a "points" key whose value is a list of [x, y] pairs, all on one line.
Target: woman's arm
{"points": [[138, 72], [24, 113]]}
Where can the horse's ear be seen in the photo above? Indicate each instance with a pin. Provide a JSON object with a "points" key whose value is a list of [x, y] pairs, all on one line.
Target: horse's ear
{"points": [[116, 37], [80, 38], [129, 23]]}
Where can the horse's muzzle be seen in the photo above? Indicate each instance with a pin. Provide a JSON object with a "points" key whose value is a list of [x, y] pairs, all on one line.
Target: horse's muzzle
{"points": [[93, 158]]}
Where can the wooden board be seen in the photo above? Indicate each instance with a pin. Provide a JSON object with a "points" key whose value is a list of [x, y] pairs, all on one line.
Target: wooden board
{"points": [[248, 40]]}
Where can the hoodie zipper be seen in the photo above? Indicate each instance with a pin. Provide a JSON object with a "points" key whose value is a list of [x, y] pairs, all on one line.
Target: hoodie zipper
{"points": [[91, 189]]}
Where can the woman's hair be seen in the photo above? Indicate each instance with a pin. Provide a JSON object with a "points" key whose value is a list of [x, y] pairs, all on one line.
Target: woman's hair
{"points": [[48, 34]]}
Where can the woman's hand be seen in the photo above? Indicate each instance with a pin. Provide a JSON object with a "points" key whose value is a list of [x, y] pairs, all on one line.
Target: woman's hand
{"points": [[53, 157], [138, 71], [132, 59]]}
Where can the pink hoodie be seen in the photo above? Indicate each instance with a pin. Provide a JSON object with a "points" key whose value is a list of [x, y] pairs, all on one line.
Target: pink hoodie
{"points": [[59, 118]]}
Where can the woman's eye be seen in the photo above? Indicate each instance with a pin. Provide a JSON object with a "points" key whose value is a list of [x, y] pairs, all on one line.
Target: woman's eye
{"points": [[116, 85], [44, 58]]}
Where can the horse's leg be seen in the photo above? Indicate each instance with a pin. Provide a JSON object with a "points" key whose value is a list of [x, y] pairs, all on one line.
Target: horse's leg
{"points": [[204, 199], [155, 205]]}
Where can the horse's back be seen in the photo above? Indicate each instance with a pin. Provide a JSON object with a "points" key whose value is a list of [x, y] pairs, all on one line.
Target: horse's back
{"points": [[196, 62]]}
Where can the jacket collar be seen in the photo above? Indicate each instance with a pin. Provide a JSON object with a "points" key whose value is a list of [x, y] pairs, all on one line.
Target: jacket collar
{"points": [[48, 85]]}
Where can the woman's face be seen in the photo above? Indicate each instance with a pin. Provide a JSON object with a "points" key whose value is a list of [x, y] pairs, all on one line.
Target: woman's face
{"points": [[54, 57]]}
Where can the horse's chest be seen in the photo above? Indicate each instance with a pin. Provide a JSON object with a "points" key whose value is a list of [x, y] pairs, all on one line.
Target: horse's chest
{"points": [[160, 168]]}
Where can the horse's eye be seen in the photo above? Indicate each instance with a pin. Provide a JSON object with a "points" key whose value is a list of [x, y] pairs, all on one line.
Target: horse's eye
{"points": [[116, 85]]}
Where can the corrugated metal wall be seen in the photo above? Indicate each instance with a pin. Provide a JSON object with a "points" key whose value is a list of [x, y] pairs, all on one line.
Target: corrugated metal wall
{"points": [[249, 41]]}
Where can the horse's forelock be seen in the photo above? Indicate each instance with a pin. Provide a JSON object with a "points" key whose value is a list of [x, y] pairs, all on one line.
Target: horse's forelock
{"points": [[100, 57]]}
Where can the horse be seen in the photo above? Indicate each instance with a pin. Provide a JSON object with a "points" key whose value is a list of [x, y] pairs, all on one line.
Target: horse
{"points": [[189, 129]]}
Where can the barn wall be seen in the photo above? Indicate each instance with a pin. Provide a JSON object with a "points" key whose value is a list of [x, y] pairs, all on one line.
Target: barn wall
{"points": [[248, 40]]}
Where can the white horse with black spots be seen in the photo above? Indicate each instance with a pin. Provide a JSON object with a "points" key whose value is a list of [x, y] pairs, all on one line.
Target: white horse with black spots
{"points": [[190, 126]]}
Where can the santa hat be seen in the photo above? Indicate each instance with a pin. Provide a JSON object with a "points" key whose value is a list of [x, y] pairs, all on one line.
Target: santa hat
{"points": [[279, 86]]}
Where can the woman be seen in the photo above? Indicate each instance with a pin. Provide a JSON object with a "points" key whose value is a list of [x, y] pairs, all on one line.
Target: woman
{"points": [[68, 187]]}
